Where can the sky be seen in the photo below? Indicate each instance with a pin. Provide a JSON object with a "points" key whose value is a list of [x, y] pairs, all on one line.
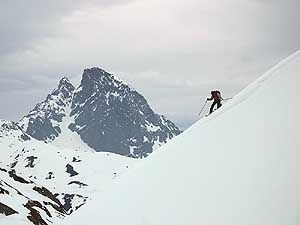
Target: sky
{"points": [[174, 52]]}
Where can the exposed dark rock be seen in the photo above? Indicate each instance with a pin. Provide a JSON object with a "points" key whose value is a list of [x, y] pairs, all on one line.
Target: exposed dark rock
{"points": [[56, 207], [13, 164], [3, 191], [42, 129], [68, 198], [80, 184], [71, 170], [35, 206], [45, 192], [77, 207], [6, 210], [25, 137], [34, 215], [3, 170], [10, 128], [13, 175], [30, 160], [39, 120], [76, 160], [110, 116], [50, 176], [9, 125]]}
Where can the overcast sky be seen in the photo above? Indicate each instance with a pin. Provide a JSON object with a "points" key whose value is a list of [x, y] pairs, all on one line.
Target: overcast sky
{"points": [[172, 51]]}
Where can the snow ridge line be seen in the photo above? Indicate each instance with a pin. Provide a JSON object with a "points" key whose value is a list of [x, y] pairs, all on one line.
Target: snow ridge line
{"points": [[251, 88]]}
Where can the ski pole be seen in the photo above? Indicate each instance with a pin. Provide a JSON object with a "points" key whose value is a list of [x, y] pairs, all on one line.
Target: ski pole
{"points": [[202, 108], [227, 99]]}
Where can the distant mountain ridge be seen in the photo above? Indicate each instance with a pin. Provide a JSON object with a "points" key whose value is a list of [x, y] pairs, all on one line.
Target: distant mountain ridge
{"points": [[104, 112]]}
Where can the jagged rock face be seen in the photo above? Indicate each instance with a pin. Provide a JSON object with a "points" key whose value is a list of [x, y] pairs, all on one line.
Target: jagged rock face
{"points": [[105, 112], [43, 121], [110, 116]]}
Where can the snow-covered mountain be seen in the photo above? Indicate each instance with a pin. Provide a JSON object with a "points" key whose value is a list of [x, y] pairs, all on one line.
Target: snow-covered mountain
{"points": [[43, 122], [71, 174], [52, 149], [239, 165], [103, 113], [111, 116]]}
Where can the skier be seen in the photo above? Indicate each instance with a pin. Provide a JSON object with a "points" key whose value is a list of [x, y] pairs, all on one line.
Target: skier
{"points": [[216, 96]]}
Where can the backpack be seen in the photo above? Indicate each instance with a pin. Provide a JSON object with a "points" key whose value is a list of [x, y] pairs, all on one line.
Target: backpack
{"points": [[216, 94]]}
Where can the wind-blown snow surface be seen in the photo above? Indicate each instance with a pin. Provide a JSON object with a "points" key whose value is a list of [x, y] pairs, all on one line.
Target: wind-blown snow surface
{"points": [[239, 166]]}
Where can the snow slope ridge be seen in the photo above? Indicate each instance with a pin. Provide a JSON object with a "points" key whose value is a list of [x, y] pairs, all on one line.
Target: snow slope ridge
{"points": [[239, 166], [255, 86]]}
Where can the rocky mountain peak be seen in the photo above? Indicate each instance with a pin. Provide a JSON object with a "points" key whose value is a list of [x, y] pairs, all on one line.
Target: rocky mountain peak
{"points": [[97, 76], [111, 116], [42, 122], [65, 89], [105, 112], [64, 80]]}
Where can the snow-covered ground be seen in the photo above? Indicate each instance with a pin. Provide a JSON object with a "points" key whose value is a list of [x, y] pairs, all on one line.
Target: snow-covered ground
{"points": [[73, 173], [239, 166]]}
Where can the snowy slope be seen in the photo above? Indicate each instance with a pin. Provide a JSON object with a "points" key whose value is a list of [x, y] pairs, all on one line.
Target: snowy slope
{"points": [[54, 145], [239, 166], [10, 135], [68, 171], [24, 202], [72, 174]]}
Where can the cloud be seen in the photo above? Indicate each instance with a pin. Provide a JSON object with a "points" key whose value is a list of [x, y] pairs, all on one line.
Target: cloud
{"points": [[173, 52], [24, 23]]}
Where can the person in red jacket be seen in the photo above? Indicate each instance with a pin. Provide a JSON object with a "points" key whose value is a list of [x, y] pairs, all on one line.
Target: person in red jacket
{"points": [[216, 96]]}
